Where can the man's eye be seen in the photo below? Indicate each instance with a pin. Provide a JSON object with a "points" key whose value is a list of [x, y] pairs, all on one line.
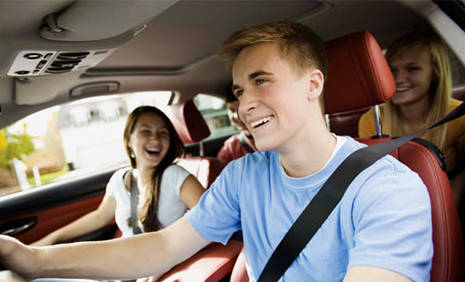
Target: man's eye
{"points": [[238, 93], [259, 81]]}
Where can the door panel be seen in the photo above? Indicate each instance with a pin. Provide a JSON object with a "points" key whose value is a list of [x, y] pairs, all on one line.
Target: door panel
{"points": [[31, 215]]}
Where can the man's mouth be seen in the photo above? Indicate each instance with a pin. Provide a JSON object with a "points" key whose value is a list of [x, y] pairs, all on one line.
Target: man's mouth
{"points": [[260, 122]]}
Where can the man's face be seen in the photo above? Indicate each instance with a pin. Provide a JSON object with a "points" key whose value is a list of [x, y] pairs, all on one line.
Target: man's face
{"points": [[232, 108], [273, 98]]}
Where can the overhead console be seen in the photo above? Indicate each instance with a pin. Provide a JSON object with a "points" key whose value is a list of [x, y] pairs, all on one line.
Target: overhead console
{"points": [[44, 62], [86, 32]]}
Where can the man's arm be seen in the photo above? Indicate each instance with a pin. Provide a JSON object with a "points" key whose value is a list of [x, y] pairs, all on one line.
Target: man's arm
{"points": [[149, 254], [370, 273]]}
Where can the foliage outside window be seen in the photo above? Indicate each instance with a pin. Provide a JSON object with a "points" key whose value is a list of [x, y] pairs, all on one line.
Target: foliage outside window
{"points": [[68, 141]]}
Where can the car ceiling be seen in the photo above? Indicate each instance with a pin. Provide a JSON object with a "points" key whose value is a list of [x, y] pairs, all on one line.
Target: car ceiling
{"points": [[175, 51]]}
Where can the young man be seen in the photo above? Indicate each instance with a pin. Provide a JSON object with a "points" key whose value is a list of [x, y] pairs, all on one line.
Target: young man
{"points": [[238, 145], [381, 228]]}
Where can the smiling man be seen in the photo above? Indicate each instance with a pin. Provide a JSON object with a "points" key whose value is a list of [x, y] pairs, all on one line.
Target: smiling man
{"points": [[380, 230]]}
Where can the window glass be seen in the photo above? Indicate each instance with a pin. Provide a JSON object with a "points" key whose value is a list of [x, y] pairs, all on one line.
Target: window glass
{"points": [[213, 110], [457, 70], [68, 141]]}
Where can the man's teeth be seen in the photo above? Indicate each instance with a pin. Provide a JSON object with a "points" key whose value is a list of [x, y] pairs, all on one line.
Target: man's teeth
{"points": [[260, 122], [400, 89]]}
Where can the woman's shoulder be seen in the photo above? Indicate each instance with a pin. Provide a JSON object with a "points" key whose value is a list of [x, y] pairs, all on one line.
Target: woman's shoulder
{"points": [[456, 128], [116, 180], [119, 173], [175, 169], [366, 124]]}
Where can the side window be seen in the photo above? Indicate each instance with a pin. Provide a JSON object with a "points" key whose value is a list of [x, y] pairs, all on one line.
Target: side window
{"points": [[213, 110], [457, 70], [68, 141]]}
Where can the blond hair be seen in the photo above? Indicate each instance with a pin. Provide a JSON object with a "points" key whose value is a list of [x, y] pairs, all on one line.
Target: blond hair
{"points": [[440, 87], [298, 44]]}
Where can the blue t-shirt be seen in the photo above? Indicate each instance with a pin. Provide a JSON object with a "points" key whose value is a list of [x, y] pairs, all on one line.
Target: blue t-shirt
{"points": [[383, 219]]}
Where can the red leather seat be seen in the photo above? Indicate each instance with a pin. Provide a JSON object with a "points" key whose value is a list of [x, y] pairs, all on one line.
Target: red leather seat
{"points": [[346, 123], [357, 69], [192, 128], [216, 261], [359, 77]]}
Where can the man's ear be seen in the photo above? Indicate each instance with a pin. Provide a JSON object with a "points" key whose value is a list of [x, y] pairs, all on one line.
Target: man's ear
{"points": [[316, 82]]}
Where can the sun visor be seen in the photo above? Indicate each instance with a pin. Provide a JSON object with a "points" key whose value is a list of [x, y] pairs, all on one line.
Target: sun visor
{"points": [[98, 20], [36, 90]]}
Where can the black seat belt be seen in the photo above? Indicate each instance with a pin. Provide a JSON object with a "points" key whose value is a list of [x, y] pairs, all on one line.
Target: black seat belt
{"points": [[134, 203], [316, 212]]}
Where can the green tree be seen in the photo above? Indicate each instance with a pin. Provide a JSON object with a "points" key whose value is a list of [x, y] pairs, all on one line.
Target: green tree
{"points": [[14, 146]]}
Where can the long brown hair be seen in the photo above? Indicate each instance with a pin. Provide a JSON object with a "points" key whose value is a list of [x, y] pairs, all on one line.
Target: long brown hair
{"points": [[440, 87], [148, 213]]}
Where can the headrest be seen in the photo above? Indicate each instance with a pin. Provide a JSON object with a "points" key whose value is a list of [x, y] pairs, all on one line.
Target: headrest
{"points": [[188, 122], [358, 74]]}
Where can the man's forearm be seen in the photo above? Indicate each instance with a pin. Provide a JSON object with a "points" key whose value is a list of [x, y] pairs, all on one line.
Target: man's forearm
{"points": [[149, 254]]}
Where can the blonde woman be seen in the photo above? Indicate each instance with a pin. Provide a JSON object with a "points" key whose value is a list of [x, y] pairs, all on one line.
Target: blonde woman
{"points": [[420, 66]]}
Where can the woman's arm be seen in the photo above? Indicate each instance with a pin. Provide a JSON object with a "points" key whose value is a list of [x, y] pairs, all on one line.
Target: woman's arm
{"points": [[191, 191], [127, 258], [83, 225]]}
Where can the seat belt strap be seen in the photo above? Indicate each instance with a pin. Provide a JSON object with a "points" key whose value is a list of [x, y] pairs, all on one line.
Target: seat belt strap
{"points": [[316, 212], [134, 203]]}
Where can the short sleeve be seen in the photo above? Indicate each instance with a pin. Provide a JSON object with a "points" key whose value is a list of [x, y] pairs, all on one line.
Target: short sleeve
{"points": [[115, 180], [366, 125], [217, 215], [392, 222], [175, 175]]}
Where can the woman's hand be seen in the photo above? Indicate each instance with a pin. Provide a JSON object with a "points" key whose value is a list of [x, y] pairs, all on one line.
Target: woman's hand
{"points": [[17, 257]]}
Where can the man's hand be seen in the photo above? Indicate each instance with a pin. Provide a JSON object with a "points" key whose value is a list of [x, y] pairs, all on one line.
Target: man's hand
{"points": [[17, 257]]}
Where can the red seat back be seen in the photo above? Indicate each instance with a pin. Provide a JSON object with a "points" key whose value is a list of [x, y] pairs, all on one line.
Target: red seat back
{"points": [[192, 128], [448, 256], [358, 71]]}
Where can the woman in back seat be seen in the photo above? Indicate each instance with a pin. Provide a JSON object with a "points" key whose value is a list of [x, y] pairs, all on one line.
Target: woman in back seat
{"points": [[165, 190], [420, 66]]}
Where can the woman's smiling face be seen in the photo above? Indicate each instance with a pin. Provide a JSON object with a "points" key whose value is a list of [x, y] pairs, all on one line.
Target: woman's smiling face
{"points": [[412, 69], [150, 140]]}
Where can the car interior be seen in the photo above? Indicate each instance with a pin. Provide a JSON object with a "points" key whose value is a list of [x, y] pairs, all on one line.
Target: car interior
{"points": [[64, 53]]}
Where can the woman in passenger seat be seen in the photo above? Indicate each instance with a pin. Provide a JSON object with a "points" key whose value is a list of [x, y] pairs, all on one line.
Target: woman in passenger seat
{"points": [[420, 66], [165, 190]]}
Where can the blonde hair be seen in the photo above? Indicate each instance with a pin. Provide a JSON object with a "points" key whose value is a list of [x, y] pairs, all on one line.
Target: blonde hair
{"points": [[297, 43], [440, 88]]}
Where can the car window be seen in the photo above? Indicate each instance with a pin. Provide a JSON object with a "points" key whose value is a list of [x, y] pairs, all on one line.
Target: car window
{"points": [[68, 141], [213, 110], [457, 70]]}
